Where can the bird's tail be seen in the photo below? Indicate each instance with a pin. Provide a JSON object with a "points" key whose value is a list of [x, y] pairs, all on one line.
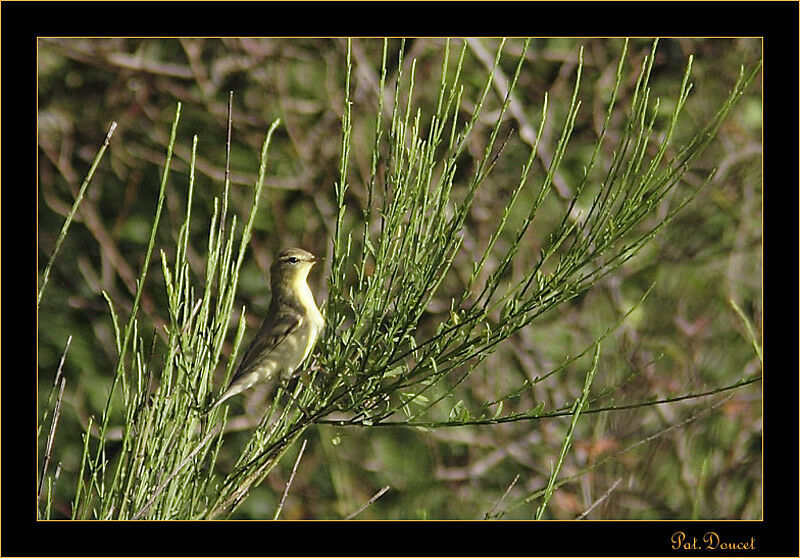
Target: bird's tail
{"points": [[234, 389]]}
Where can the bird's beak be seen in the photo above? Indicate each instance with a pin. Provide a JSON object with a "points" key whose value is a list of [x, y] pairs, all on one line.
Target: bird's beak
{"points": [[313, 260]]}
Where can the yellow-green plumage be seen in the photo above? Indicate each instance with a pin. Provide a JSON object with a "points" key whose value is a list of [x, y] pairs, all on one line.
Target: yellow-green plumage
{"points": [[290, 330]]}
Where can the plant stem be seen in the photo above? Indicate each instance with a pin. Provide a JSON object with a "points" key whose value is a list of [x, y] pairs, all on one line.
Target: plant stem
{"points": [[72, 211]]}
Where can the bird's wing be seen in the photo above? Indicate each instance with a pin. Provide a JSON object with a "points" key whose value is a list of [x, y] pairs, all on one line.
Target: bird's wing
{"points": [[272, 333]]}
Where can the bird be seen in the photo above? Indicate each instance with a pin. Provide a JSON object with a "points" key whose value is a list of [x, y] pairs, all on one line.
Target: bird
{"points": [[289, 331]]}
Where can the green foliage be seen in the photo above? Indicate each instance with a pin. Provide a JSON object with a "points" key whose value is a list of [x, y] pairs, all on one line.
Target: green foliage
{"points": [[472, 267]]}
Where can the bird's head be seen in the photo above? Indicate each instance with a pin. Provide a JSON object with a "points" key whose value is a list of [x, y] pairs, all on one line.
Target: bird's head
{"points": [[291, 266]]}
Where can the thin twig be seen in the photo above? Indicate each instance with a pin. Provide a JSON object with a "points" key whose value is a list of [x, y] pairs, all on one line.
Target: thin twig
{"points": [[560, 413], [491, 511], [223, 214], [527, 130], [580, 403], [93, 221], [631, 447], [50, 437], [377, 495], [192, 316], [264, 468], [177, 470], [61, 362], [76, 203], [750, 333], [289, 482], [139, 291], [600, 500], [55, 385]]}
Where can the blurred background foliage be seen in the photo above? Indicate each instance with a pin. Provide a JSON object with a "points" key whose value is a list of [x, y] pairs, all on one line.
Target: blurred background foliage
{"points": [[684, 338]]}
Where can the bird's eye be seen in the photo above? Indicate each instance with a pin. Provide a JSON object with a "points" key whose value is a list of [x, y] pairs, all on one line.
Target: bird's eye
{"points": [[293, 260]]}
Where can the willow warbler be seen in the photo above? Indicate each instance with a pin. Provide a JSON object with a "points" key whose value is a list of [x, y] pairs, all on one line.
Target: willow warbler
{"points": [[289, 331]]}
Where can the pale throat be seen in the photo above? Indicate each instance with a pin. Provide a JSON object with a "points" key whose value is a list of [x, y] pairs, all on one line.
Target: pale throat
{"points": [[303, 292]]}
